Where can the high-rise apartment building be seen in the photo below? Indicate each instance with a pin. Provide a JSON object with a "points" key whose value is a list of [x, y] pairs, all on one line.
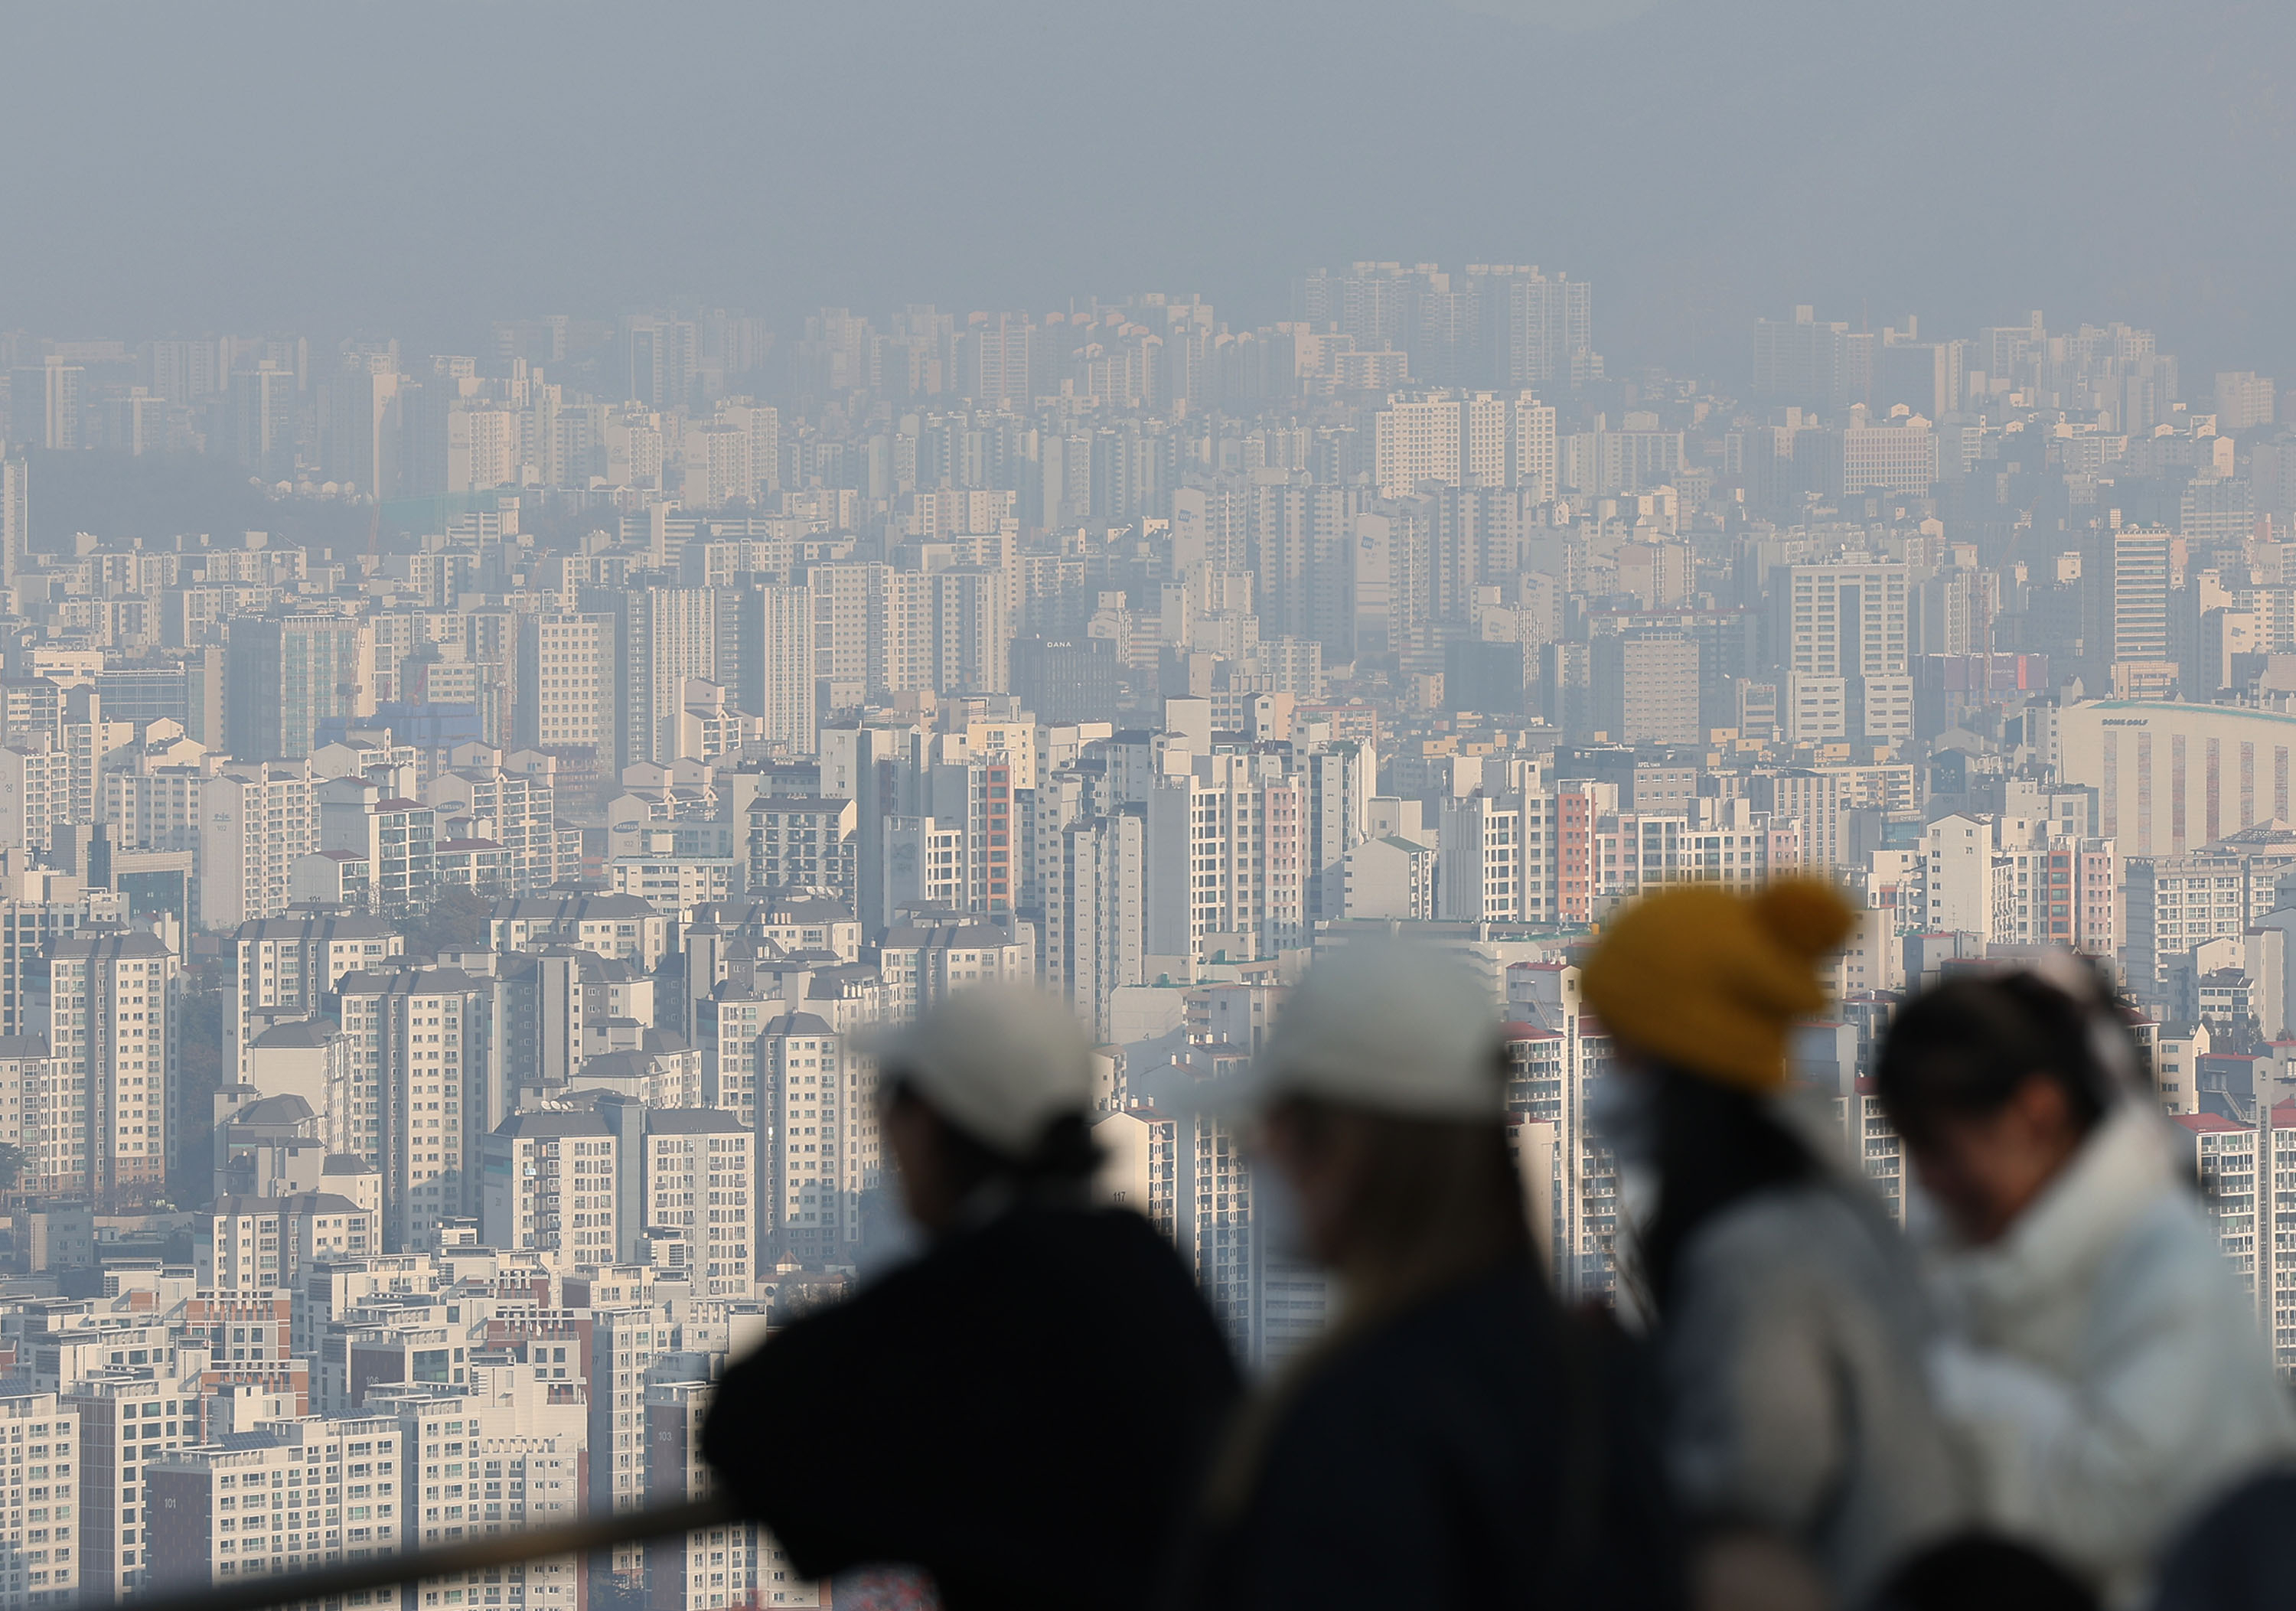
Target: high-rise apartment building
{"points": [[548, 1185], [364, 432], [131, 1423], [263, 421], [256, 818], [697, 1189], [1548, 330], [40, 1559], [663, 635], [1843, 631], [2244, 399], [288, 966], [420, 1102], [112, 1035], [291, 1495], [1226, 859], [817, 1153], [766, 659]]}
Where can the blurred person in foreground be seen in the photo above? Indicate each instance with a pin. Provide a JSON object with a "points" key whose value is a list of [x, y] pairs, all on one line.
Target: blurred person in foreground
{"points": [[1021, 1411], [2102, 1367], [1789, 1331], [1454, 1441]]}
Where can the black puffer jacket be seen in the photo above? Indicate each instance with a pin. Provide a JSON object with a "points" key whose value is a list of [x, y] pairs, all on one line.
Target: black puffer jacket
{"points": [[1023, 1413]]}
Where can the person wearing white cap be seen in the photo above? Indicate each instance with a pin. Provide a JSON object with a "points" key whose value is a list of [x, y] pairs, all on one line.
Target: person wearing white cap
{"points": [[1455, 1441], [1022, 1410]]}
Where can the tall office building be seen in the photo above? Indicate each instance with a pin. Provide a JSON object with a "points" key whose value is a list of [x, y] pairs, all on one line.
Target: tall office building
{"points": [[15, 518], [286, 674], [2140, 634], [263, 421], [1646, 688], [364, 432], [43, 404]]}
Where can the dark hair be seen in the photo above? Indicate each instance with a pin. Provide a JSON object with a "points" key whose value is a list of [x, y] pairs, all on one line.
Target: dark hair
{"points": [[1965, 1046], [1065, 1155], [1716, 1145]]}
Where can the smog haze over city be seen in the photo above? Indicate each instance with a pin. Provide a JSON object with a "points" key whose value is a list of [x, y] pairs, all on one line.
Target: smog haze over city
{"points": [[421, 169], [883, 804]]}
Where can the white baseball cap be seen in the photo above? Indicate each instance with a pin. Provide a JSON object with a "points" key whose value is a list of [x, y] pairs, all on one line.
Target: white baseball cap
{"points": [[1394, 1027], [1000, 1062]]}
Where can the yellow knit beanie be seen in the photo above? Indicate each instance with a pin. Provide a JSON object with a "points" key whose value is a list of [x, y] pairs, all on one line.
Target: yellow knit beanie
{"points": [[1711, 981]]}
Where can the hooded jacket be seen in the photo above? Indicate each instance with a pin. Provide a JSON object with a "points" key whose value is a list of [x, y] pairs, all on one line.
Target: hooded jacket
{"points": [[1791, 1353], [2107, 1375]]}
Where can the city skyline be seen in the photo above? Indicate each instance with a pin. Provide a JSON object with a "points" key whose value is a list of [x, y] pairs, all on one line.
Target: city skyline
{"points": [[568, 574]]}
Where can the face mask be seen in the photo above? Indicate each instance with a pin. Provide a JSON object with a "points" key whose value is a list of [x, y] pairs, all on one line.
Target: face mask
{"points": [[1620, 1110], [1276, 1213]]}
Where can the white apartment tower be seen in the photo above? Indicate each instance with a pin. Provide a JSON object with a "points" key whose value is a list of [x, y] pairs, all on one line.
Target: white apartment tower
{"points": [[288, 966], [39, 1560], [819, 1151], [701, 1184], [549, 1185], [418, 1041], [112, 1034], [256, 818], [566, 682], [294, 1494]]}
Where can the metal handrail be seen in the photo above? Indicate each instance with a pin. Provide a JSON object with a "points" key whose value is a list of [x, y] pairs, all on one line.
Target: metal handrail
{"points": [[479, 1554]]}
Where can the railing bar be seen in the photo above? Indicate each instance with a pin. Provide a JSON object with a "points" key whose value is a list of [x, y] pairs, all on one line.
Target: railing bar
{"points": [[478, 1555]]}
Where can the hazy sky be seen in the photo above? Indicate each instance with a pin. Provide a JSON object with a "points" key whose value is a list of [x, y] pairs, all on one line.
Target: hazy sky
{"points": [[419, 169]]}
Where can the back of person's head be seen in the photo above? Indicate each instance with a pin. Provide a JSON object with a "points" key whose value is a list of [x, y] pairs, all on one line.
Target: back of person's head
{"points": [[1967, 1047], [1391, 1053], [1391, 1028], [1007, 1069], [1712, 982]]}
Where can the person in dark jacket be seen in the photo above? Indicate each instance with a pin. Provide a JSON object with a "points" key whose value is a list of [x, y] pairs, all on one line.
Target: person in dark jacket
{"points": [[1455, 1441], [1021, 1411]]}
